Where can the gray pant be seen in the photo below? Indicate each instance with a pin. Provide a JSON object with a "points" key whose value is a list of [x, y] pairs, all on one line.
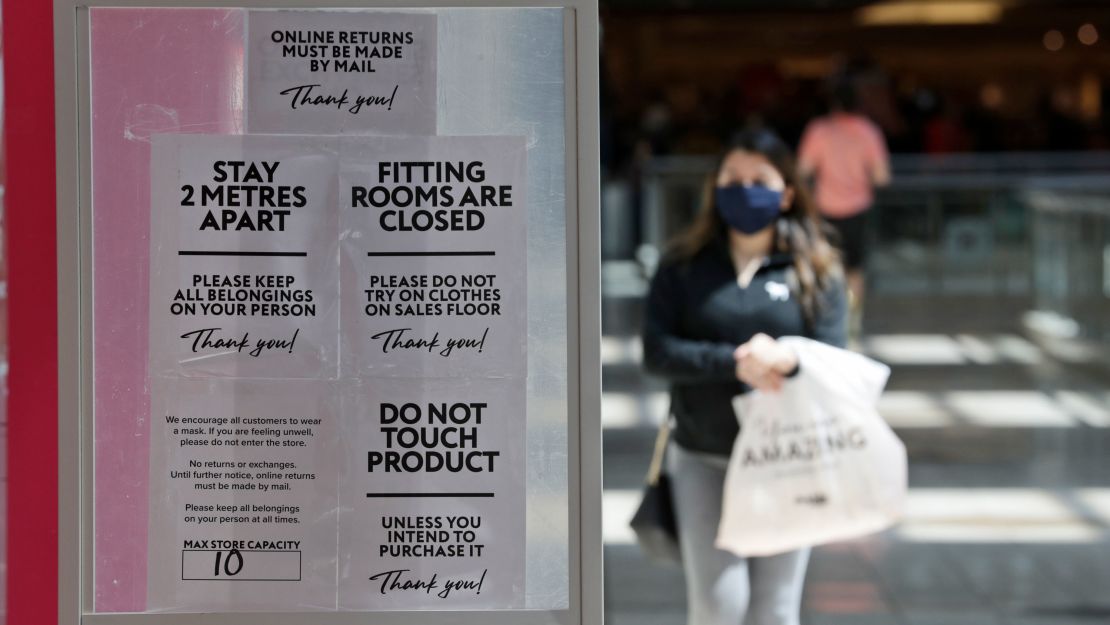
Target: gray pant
{"points": [[723, 588]]}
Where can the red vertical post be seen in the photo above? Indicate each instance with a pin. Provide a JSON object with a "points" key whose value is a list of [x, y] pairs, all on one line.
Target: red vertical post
{"points": [[32, 525]]}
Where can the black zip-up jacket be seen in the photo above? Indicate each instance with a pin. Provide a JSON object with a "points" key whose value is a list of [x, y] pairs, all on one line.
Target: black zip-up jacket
{"points": [[697, 315]]}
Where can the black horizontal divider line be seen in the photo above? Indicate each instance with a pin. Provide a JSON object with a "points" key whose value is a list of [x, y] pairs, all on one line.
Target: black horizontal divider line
{"points": [[416, 495], [236, 253], [478, 253]]}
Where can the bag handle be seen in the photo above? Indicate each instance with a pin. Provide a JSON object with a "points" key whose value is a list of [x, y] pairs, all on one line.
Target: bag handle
{"points": [[656, 466]]}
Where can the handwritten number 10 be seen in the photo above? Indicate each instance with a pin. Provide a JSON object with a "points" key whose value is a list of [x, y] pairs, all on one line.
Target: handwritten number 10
{"points": [[227, 567]]}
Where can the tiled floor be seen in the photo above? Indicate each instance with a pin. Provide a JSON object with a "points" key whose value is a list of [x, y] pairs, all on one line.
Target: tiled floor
{"points": [[1009, 514]]}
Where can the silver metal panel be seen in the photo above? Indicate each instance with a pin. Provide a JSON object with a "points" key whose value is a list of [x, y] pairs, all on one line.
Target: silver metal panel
{"points": [[562, 617], [585, 297], [74, 316], [579, 471], [500, 72]]}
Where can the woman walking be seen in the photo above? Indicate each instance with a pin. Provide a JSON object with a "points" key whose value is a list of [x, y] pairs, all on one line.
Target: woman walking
{"points": [[755, 265]]}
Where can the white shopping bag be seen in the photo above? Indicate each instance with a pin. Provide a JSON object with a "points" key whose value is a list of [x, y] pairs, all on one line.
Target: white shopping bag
{"points": [[814, 463]]}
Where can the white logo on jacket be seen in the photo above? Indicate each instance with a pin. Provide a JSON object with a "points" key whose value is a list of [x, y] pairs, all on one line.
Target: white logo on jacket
{"points": [[777, 291]]}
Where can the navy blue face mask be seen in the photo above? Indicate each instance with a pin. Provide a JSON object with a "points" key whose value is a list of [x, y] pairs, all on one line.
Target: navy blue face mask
{"points": [[748, 209]]}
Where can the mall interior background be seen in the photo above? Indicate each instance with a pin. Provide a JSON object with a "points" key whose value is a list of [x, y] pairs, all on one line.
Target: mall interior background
{"points": [[989, 282]]}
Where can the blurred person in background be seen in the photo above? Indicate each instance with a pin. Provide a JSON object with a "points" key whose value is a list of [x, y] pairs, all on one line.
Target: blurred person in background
{"points": [[846, 157], [754, 266]]}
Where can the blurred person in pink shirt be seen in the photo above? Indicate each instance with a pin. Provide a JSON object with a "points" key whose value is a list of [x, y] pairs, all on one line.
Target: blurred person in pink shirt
{"points": [[844, 153]]}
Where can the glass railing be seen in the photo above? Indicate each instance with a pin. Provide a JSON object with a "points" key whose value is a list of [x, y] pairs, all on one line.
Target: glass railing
{"points": [[1071, 267], [1032, 229]]}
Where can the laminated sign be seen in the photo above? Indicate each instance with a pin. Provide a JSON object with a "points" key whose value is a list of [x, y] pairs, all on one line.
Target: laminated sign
{"points": [[433, 329], [434, 487], [337, 373], [341, 71], [243, 495], [433, 232], [244, 266]]}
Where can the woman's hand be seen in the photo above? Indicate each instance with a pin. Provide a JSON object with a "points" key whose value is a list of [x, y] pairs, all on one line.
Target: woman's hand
{"points": [[763, 363]]}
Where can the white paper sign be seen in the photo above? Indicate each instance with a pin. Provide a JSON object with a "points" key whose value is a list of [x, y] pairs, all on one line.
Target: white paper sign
{"points": [[432, 495], [244, 261], [433, 267], [303, 397], [341, 71], [242, 495]]}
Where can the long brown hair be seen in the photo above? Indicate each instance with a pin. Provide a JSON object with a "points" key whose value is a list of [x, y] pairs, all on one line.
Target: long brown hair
{"points": [[799, 230]]}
